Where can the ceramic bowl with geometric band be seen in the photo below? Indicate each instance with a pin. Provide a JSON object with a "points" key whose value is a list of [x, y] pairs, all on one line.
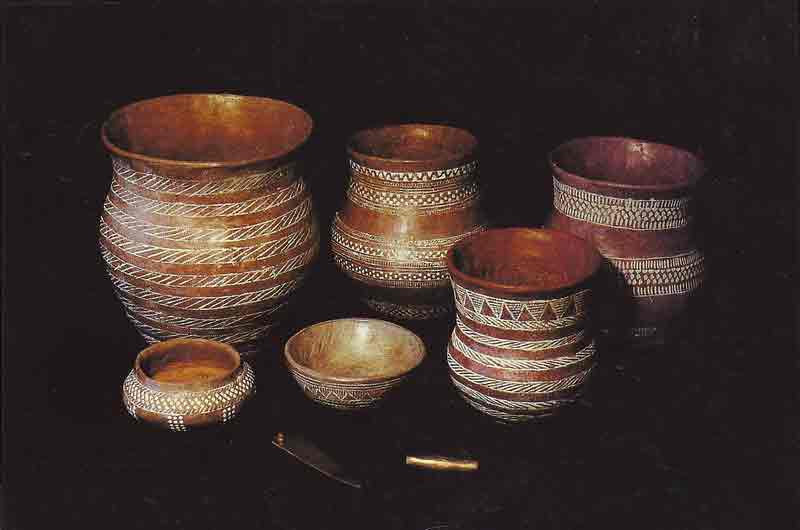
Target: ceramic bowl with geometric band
{"points": [[181, 384], [352, 363]]}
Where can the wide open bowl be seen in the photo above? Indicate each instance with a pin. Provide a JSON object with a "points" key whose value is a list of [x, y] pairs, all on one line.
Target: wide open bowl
{"points": [[352, 363]]}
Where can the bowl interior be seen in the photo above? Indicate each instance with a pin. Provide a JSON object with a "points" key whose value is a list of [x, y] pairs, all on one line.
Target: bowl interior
{"points": [[628, 161], [215, 128], [534, 259], [182, 361], [356, 348], [414, 142]]}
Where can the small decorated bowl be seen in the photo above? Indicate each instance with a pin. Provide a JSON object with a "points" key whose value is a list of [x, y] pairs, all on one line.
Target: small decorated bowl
{"points": [[180, 384], [352, 363]]}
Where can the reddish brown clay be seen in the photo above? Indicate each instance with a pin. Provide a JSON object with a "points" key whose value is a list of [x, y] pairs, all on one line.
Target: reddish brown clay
{"points": [[412, 194], [522, 346], [631, 199], [352, 363], [207, 227], [180, 384]]}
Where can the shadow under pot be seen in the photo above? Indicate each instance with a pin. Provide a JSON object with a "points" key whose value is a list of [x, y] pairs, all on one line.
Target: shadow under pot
{"points": [[523, 345], [207, 228], [181, 384], [632, 200], [413, 193]]}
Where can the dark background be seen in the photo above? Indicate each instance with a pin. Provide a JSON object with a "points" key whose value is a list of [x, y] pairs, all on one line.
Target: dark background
{"points": [[701, 433]]}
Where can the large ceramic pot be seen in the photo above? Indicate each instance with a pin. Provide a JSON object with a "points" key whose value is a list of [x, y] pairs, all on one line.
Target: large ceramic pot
{"points": [[522, 347], [632, 200], [412, 194], [208, 227]]}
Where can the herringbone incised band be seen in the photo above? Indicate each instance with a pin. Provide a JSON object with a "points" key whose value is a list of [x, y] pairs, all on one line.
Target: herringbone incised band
{"points": [[661, 276], [155, 183], [630, 214], [212, 259]]}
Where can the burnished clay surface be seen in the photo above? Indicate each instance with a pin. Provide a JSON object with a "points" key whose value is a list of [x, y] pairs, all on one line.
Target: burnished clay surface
{"points": [[181, 371], [413, 192], [351, 363], [632, 200], [207, 227], [522, 347], [179, 384]]}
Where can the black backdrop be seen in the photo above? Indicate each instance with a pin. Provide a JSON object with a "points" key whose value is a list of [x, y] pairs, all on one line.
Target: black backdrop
{"points": [[697, 434]]}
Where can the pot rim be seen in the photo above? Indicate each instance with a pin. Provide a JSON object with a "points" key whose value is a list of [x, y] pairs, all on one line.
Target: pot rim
{"points": [[192, 386], [444, 160], [520, 290], [324, 378], [689, 182], [200, 164]]}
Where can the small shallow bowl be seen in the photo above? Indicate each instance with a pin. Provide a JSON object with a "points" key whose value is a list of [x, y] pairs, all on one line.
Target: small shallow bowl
{"points": [[180, 384], [352, 363]]}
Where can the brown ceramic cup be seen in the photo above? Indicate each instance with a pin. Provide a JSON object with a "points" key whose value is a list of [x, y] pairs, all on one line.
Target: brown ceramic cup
{"points": [[413, 192], [207, 228], [180, 384], [523, 346], [632, 200], [352, 363]]}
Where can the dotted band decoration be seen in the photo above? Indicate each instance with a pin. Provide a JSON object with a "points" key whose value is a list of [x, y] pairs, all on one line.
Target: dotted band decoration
{"points": [[422, 202], [177, 405]]}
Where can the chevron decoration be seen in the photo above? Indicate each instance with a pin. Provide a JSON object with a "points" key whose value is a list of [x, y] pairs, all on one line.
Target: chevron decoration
{"points": [[214, 258], [519, 359]]}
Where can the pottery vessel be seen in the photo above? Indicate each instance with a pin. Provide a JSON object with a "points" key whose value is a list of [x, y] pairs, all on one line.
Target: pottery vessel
{"points": [[352, 363], [208, 227], [523, 346], [632, 200], [413, 193], [181, 384]]}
